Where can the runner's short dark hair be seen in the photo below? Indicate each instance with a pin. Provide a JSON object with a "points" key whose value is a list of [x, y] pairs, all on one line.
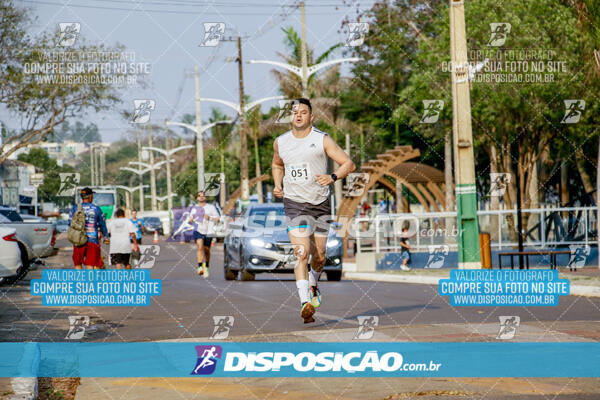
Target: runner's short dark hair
{"points": [[305, 101], [120, 212]]}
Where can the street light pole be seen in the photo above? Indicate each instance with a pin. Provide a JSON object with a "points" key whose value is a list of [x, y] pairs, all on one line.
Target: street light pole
{"points": [[303, 55], [199, 130], [199, 144], [242, 109], [152, 174], [139, 143], [243, 128], [168, 152], [466, 197], [169, 187]]}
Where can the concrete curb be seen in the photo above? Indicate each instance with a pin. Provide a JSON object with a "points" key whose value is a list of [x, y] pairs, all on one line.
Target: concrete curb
{"points": [[576, 290], [26, 388]]}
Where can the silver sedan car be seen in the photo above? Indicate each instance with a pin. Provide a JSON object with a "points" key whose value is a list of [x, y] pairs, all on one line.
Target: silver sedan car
{"points": [[258, 242]]}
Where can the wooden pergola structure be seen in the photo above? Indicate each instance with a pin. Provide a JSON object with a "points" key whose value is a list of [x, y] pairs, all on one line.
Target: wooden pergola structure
{"points": [[426, 183]]}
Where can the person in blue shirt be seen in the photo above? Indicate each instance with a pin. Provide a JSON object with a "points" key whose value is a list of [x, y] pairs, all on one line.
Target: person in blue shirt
{"points": [[95, 227], [139, 226]]}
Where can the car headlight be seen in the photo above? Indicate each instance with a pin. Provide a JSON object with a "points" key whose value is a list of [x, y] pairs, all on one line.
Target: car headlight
{"points": [[333, 242], [260, 243]]}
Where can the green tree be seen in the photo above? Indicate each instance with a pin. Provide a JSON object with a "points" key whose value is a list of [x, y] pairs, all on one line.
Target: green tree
{"points": [[43, 104], [51, 170]]}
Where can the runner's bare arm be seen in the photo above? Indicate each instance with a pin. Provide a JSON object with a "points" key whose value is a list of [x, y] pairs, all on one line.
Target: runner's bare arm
{"points": [[337, 154], [277, 168]]}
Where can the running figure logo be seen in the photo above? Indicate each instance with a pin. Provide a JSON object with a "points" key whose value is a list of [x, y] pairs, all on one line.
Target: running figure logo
{"points": [[285, 112], [141, 115], [437, 256], [356, 183], [68, 182], [508, 327], [366, 328], [579, 255], [500, 31], [148, 256], [357, 31], [431, 111], [212, 183], [499, 183], [68, 33], [212, 33], [77, 325], [223, 325], [573, 110], [207, 359]]}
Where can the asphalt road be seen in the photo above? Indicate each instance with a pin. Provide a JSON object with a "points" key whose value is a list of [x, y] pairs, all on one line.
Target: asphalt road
{"points": [[269, 306]]}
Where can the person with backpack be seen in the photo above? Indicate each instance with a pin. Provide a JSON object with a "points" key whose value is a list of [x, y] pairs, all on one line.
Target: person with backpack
{"points": [[86, 229]]}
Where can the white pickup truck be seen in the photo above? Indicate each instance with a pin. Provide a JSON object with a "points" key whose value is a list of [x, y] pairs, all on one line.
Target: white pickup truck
{"points": [[38, 238]]}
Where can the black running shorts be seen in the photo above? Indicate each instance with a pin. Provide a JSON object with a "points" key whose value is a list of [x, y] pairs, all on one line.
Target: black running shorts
{"points": [[306, 215]]}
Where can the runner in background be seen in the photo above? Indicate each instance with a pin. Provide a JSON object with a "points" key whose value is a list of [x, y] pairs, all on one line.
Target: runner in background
{"points": [[95, 227], [196, 219], [207, 227], [139, 226], [122, 234]]}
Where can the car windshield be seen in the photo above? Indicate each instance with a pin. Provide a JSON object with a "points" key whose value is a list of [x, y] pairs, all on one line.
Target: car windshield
{"points": [[266, 218], [152, 220], [104, 199], [12, 215]]}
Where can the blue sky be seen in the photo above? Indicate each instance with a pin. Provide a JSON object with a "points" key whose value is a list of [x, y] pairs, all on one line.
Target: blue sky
{"points": [[167, 35]]}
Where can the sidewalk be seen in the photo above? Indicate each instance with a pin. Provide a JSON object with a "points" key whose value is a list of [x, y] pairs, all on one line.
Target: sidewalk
{"points": [[584, 282]]}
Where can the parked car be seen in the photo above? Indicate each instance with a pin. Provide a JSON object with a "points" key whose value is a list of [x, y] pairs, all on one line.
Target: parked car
{"points": [[30, 218], [38, 238], [152, 224], [258, 242], [14, 263], [62, 225]]}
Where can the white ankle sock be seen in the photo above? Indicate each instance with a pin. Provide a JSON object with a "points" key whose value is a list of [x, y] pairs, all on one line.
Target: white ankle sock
{"points": [[313, 277], [302, 286]]}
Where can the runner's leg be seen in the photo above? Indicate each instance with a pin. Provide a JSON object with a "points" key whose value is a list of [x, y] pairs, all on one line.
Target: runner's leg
{"points": [[299, 237], [317, 251], [200, 255]]}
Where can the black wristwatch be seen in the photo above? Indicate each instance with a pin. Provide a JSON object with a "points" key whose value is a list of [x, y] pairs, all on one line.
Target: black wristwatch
{"points": [[334, 177]]}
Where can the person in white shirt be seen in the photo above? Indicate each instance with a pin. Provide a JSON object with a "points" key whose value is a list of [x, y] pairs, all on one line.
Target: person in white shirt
{"points": [[122, 240], [207, 228], [203, 217]]}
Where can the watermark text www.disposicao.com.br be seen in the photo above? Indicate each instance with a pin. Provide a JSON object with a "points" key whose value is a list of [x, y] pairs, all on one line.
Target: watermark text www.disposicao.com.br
{"points": [[370, 361]]}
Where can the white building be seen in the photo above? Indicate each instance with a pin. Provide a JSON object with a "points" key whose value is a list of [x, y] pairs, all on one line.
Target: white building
{"points": [[67, 152]]}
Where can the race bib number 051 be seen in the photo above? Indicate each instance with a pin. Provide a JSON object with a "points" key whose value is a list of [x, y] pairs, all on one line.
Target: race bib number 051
{"points": [[299, 173]]}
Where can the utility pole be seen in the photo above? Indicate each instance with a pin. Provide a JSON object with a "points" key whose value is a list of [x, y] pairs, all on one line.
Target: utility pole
{"points": [[243, 127], [259, 190], [169, 189], [96, 165], [91, 164], [102, 164], [152, 174], [466, 197], [199, 144], [139, 143], [303, 55]]}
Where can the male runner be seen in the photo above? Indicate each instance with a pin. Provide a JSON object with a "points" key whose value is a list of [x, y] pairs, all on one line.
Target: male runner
{"points": [[197, 216], [139, 226], [300, 174], [206, 228], [95, 227]]}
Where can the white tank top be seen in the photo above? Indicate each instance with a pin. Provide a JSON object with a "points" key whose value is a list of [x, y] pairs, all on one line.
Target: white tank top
{"points": [[303, 159]]}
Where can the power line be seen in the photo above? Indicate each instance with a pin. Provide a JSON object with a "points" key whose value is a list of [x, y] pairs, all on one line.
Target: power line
{"points": [[187, 12]]}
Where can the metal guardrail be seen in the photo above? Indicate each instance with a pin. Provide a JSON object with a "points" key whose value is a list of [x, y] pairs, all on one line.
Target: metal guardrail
{"points": [[546, 228]]}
